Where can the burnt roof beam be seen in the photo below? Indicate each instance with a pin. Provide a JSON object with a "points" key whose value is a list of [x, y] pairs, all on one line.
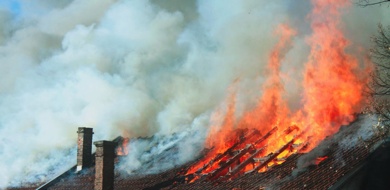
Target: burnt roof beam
{"points": [[243, 164], [219, 170], [228, 151], [276, 154]]}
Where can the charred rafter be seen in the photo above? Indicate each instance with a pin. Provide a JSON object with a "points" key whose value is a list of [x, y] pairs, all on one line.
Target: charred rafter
{"points": [[242, 152], [243, 164], [227, 152], [250, 159], [233, 164], [216, 173], [276, 154], [266, 136]]}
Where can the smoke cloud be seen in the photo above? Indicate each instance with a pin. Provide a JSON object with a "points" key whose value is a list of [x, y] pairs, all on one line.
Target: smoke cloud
{"points": [[361, 130], [139, 68]]}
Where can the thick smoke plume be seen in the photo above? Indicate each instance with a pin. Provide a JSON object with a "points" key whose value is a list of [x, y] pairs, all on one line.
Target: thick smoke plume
{"points": [[141, 68]]}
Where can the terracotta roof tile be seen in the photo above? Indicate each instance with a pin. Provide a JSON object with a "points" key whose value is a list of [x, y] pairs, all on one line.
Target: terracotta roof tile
{"points": [[339, 162]]}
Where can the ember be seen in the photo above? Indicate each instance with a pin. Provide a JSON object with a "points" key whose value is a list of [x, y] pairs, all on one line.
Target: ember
{"points": [[320, 159]]}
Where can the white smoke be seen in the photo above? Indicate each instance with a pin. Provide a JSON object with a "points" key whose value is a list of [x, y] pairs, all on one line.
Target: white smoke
{"points": [[135, 67], [358, 133], [161, 152], [366, 130], [348, 137]]}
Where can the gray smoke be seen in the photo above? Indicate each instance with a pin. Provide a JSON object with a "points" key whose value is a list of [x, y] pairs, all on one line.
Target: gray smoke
{"points": [[361, 130], [137, 68]]}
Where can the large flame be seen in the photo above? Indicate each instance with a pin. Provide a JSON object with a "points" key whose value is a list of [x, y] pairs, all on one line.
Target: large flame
{"points": [[333, 84]]}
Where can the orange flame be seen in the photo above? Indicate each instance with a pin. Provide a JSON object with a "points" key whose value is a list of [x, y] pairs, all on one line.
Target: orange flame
{"points": [[333, 85], [122, 150]]}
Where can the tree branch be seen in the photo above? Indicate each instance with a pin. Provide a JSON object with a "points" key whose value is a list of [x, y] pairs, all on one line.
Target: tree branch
{"points": [[380, 84], [365, 3]]}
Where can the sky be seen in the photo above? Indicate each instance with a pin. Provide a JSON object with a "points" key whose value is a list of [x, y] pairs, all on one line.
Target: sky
{"points": [[12, 6]]}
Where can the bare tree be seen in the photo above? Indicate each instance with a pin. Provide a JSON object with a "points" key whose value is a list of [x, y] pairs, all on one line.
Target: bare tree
{"points": [[380, 86], [365, 3]]}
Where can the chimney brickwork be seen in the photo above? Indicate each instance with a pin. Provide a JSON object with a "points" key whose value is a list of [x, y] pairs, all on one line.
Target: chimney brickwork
{"points": [[84, 147], [104, 168]]}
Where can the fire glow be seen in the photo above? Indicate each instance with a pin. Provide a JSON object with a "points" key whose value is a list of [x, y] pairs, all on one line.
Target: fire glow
{"points": [[268, 134], [122, 148]]}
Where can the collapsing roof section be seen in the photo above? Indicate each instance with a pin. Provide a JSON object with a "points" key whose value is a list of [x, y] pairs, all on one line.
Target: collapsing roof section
{"points": [[242, 167]]}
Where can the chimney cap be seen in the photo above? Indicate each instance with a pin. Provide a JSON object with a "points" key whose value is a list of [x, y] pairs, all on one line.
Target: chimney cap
{"points": [[85, 130], [105, 143]]}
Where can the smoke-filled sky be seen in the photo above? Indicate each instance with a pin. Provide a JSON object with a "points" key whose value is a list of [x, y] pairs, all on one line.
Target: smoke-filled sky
{"points": [[141, 68]]}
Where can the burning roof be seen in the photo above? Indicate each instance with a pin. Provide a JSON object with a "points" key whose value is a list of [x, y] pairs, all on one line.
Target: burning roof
{"points": [[291, 75], [243, 167]]}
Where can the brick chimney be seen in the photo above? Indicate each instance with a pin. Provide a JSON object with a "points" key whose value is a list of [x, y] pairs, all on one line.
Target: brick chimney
{"points": [[104, 169], [84, 148]]}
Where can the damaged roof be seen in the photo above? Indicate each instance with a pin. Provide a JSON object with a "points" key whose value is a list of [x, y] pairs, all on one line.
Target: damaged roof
{"points": [[342, 156]]}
